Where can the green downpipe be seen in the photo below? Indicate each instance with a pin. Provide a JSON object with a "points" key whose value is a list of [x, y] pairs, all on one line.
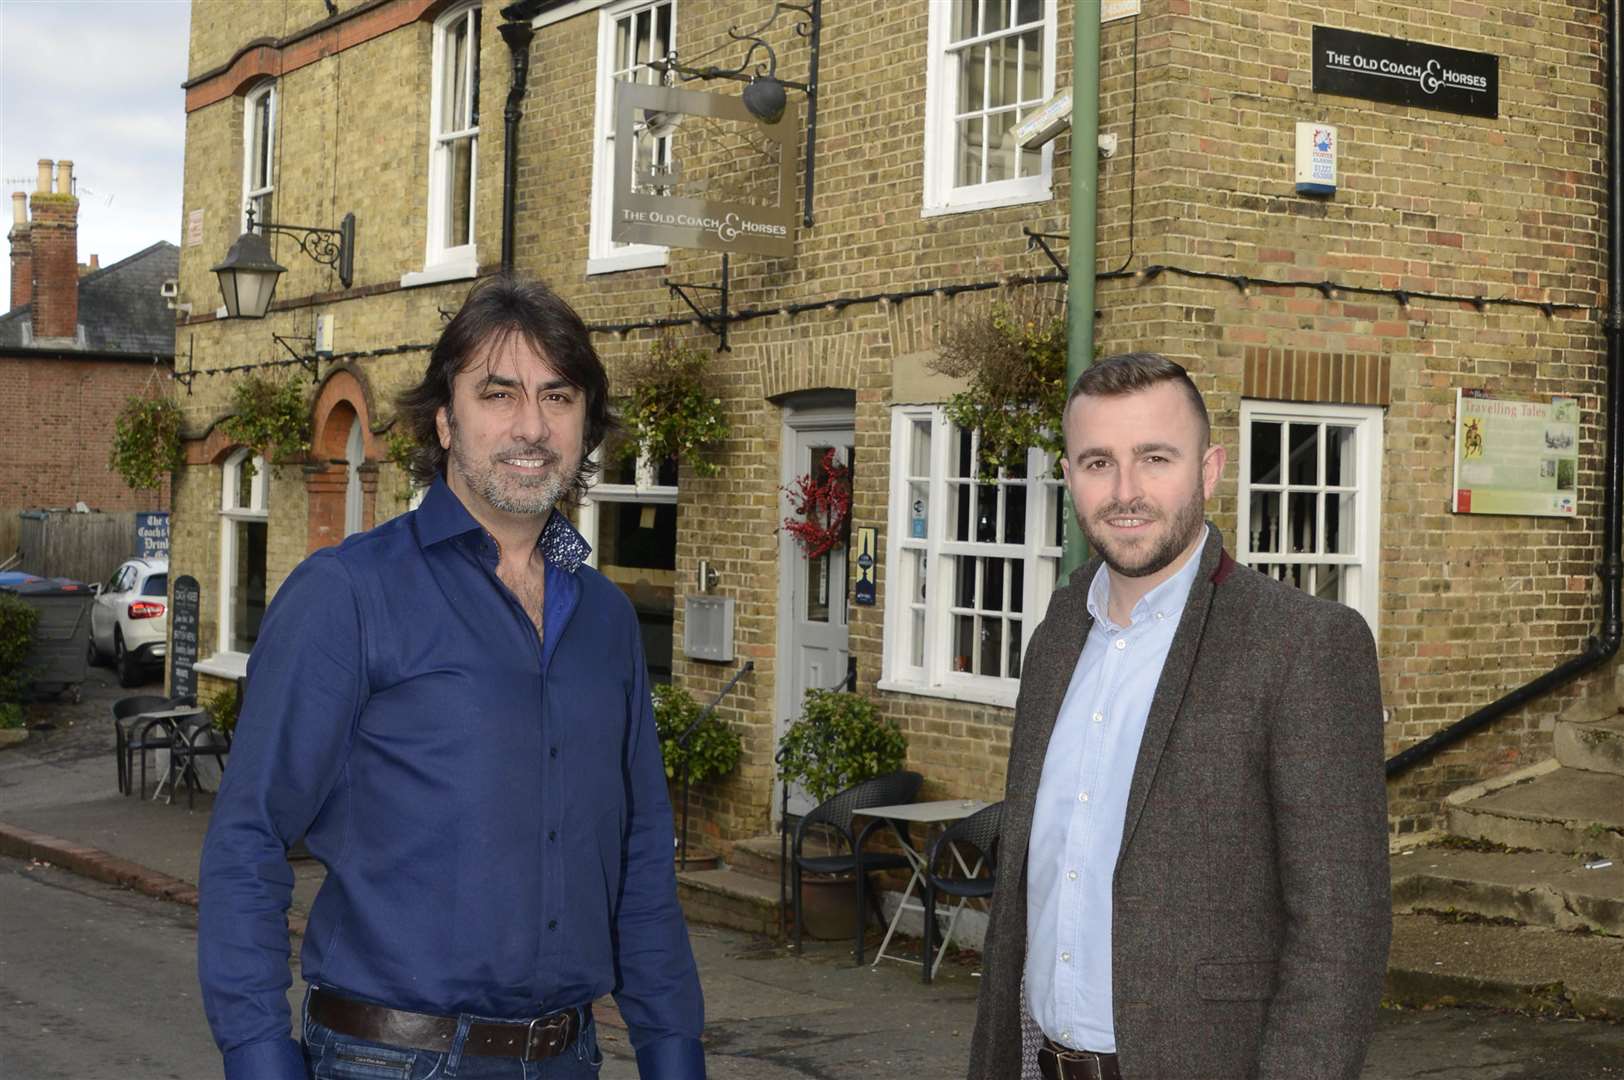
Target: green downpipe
{"points": [[1085, 177]]}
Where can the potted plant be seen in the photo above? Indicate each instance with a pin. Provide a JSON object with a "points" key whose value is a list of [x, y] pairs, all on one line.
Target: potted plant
{"points": [[712, 748], [1013, 354], [671, 409], [146, 442], [271, 416], [837, 742]]}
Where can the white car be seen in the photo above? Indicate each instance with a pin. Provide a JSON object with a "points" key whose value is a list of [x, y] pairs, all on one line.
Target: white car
{"points": [[129, 619]]}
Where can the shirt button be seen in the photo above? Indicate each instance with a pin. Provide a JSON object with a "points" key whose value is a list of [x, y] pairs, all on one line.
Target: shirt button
{"points": [[1121, 644], [552, 924], [553, 752], [552, 834], [1082, 796], [1071, 875], [1065, 957], [1099, 717]]}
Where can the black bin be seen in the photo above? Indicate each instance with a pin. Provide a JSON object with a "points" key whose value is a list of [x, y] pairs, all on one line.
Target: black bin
{"points": [[56, 663]]}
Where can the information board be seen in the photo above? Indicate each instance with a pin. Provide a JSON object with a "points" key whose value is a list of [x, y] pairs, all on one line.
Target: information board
{"points": [[1516, 457], [152, 535]]}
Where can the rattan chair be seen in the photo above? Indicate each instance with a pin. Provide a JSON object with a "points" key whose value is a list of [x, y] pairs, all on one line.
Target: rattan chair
{"points": [[962, 864], [833, 819], [125, 712]]}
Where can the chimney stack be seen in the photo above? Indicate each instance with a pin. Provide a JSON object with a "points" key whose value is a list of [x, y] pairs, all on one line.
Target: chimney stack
{"points": [[54, 238], [22, 252]]}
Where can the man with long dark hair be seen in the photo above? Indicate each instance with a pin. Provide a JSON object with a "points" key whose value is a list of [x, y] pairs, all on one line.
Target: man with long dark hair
{"points": [[453, 711]]}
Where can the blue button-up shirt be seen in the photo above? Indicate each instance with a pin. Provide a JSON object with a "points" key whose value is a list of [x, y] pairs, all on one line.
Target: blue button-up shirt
{"points": [[490, 806], [1082, 806]]}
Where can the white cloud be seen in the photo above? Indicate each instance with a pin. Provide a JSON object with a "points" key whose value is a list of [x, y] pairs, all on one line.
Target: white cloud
{"points": [[97, 82]]}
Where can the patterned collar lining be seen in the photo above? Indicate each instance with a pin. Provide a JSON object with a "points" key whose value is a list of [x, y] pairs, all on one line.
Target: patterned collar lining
{"points": [[561, 545]]}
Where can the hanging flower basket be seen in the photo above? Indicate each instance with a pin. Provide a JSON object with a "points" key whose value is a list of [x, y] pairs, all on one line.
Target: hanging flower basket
{"points": [[821, 500], [146, 442], [671, 409]]}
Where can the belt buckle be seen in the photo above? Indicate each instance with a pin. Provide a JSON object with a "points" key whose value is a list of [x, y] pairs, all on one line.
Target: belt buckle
{"points": [[556, 1028], [1092, 1070]]}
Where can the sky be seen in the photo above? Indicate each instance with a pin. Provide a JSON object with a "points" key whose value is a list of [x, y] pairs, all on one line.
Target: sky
{"points": [[97, 82]]}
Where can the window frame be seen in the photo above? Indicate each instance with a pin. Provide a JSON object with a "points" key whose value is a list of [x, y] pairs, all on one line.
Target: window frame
{"points": [[1368, 422], [266, 92], [444, 261], [935, 677], [604, 255], [257, 510], [941, 194]]}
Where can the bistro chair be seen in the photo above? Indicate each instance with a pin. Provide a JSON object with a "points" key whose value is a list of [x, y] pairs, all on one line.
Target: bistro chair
{"points": [[195, 737], [833, 819], [125, 712], [949, 870]]}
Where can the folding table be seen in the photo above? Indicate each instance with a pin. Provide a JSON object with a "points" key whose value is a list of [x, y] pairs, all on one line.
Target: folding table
{"points": [[938, 813]]}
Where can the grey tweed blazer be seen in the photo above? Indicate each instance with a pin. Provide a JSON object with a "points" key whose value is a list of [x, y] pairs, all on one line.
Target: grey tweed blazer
{"points": [[1251, 913]]}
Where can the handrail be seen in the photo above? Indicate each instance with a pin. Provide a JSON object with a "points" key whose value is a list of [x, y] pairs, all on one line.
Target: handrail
{"points": [[682, 744]]}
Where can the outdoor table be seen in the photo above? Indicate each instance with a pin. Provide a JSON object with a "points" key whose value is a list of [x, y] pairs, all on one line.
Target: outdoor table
{"points": [[170, 718], [929, 814]]}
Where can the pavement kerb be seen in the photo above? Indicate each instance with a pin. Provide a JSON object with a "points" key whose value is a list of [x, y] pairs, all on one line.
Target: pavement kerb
{"points": [[101, 866]]}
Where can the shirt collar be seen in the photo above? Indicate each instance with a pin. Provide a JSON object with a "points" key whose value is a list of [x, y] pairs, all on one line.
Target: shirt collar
{"points": [[442, 516], [1165, 600]]}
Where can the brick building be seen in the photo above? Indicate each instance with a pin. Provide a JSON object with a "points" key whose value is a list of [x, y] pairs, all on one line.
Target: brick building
{"points": [[1330, 329], [77, 342]]}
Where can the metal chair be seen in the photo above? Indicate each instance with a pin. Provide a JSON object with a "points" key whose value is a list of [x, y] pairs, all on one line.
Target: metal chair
{"points": [[195, 737], [125, 710], [959, 877], [833, 817]]}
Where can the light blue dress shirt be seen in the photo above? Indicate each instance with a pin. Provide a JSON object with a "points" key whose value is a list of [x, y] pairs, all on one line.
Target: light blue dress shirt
{"points": [[1082, 803]]}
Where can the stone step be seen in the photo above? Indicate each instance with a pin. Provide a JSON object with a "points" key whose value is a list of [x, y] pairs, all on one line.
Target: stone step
{"points": [[1537, 888], [1561, 809], [757, 856], [729, 898], [1596, 746], [1437, 962]]}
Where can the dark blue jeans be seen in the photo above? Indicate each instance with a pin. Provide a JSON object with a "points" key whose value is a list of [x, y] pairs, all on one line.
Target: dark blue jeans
{"points": [[332, 1056]]}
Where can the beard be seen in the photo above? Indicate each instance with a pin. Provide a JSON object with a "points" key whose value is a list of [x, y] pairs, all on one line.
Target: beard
{"points": [[506, 490], [1143, 560]]}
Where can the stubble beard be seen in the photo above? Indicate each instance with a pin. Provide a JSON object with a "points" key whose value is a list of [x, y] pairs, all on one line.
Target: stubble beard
{"points": [[510, 492], [1187, 520]]}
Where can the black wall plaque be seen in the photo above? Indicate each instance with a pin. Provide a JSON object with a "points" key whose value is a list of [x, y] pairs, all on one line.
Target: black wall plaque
{"points": [[183, 638], [1406, 72]]}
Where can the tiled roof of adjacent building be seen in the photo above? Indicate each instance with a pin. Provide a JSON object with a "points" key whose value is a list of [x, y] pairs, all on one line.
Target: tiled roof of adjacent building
{"points": [[120, 308]]}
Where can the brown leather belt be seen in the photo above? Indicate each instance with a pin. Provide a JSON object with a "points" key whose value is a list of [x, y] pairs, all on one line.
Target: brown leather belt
{"points": [[1058, 1062], [528, 1040]]}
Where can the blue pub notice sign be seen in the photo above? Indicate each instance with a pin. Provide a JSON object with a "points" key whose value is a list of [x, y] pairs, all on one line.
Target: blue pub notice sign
{"points": [[152, 535]]}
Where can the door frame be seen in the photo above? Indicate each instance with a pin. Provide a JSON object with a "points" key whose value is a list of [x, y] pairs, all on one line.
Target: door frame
{"points": [[817, 411]]}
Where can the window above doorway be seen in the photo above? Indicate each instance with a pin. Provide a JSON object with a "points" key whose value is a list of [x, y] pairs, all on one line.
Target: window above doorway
{"points": [[629, 36]]}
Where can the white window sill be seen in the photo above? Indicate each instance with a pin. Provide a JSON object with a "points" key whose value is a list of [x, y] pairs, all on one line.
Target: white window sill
{"points": [[1003, 698], [628, 260], [969, 205], [458, 270], [224, 665]]}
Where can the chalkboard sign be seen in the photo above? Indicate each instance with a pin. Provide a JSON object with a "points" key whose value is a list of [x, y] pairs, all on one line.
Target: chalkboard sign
{"points": [[183, 632]]}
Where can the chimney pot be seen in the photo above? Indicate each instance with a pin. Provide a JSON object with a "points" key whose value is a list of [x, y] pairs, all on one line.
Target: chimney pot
{"points": [[19, 208], [43, 186], [64, 177]]}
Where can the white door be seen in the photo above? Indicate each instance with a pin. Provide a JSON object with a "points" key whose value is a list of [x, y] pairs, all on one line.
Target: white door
{"points": [[813, 592]]}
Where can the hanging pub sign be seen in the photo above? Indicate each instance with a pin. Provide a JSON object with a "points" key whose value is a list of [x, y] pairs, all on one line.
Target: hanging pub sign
{"points": [[698, 170], [1405, 72]]}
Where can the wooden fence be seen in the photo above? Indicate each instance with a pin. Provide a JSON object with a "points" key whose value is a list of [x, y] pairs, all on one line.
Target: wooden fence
{"points": [[86, 547]]}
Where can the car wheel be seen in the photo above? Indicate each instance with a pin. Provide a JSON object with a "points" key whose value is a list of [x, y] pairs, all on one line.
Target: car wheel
{"points": [[129, 672]]}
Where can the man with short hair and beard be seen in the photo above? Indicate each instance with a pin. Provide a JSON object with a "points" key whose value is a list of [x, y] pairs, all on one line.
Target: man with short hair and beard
{"points": [[452, 710], [1193, 879]]}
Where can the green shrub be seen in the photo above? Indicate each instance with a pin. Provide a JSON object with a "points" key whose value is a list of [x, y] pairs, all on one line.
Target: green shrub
{"points": [[17, 619], [146, 442], [271, 415], [223, 708], [713, 749], [837, 742]]}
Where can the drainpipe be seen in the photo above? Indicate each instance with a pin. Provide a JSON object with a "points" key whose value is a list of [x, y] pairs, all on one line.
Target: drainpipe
{"points": [[516, 31], [1601, 647], [1085, 177]]}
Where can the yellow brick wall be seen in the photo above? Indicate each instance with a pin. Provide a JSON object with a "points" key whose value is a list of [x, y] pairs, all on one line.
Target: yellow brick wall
{"points": [[1429, 201]]}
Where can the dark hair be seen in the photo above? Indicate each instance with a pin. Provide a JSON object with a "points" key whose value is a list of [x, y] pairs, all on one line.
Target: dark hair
{"points": [[494, 309], [1129, 373]]}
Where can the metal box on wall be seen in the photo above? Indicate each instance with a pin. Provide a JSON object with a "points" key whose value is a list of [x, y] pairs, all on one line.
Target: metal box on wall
{"points": [[707, 628]]}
